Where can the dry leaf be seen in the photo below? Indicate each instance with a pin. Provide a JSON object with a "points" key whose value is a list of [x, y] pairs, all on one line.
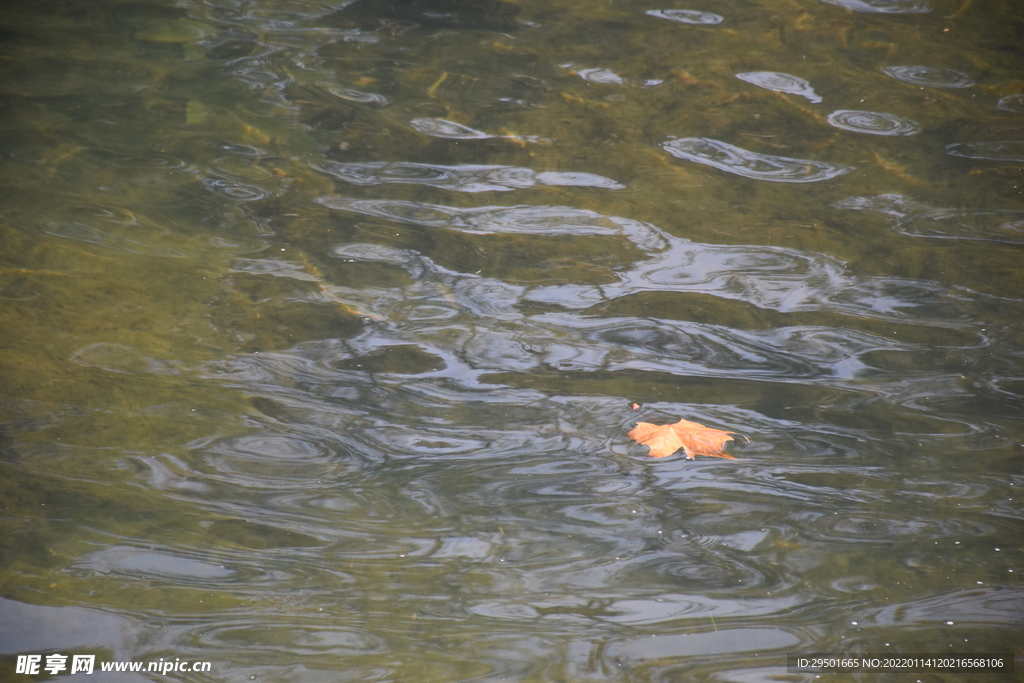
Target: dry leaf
{"points": [[695, 439]]}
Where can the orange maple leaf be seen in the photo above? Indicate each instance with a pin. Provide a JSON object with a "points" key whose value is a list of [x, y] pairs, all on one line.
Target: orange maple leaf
{"points": [[695, 439]]}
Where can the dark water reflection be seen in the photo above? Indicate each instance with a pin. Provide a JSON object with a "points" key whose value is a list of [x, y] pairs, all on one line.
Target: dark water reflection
{"points": [[323, 322]]}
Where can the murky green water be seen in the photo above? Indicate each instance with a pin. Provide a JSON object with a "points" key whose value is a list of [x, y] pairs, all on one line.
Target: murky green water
{"points": [[322, 321]]}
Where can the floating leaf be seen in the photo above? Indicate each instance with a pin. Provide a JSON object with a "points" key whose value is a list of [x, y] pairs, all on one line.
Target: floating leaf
{"points": [[695, 439]]}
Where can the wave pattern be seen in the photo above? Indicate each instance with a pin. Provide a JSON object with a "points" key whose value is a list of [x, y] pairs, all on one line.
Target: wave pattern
{"points": [[1012, 103], [1010, 150], [911, 218], [464, 178], [686, 16], [930, 76], [883, 6], [776, 169], [779, 82], [872, 122], [340, 382]]}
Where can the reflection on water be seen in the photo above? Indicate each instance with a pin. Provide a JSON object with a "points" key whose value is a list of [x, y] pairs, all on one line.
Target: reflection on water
{"points": [[440, 128], [323, 322], [872, 122], [781, 83], [464, 178], [1014, 103], [686, 16], [1010, 150], [931, 76], [1000, 226], [884, 6], [726, 157]]}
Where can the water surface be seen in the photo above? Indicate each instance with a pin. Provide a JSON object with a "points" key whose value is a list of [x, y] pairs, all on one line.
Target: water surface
{"points": [[323, 322]]}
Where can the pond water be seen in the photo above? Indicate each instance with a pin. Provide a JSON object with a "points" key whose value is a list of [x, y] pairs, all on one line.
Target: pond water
{"points": [[324, 322]]}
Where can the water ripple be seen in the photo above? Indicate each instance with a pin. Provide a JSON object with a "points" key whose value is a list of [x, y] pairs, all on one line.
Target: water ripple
{"points": [[443, 128], [868, 527], [445, 489], [359, 251], [930, 76], [769, 277], [780, 82], [1014, 103], [236, 191], [465, 178], [305, 640], [726, 157], [686, 16], [883, 6], [453, 444], [601, 76], [148, 563], [891, 204], [710, 571], [781, 279], [994, 226], [875, 123], [1010, 150], [690, 348], [272, 460], [353, 95], [487, 220], [981, 607]]}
